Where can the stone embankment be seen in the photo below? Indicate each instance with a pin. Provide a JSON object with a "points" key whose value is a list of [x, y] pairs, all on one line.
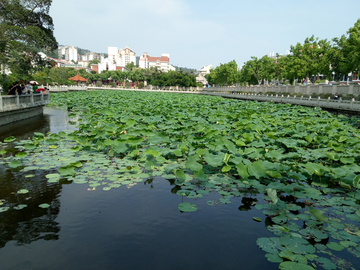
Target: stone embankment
{"points": [[15, 108]]}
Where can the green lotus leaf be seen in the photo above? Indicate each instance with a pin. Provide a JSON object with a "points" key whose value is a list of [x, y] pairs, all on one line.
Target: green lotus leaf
{"points": [[23, 191], [10, 139], [192, 164], [187, 207], [273, 257], [315, 168], [159, 138], [2, 152], [67, 170], [119, 147], [152, 152], [230, 146], [21, 155], [319, 215], [257, 169], [275, 154], [270, 245], [294, 266], [4, 209], [335, 246], [326, 263], [308, 138], [272, 195], [44, 205], [356, 181], [20, 206], [38, 134], [248, 137], [214, 160], [180, 175], [242, 170], [200, 175], [226, 168], [274, 174], [15, 163], [349, 160]]}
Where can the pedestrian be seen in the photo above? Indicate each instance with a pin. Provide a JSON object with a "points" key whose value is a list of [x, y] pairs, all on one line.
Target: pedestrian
{"points": [[28, 88], [336, 96], [35, 87], [13, 90]]}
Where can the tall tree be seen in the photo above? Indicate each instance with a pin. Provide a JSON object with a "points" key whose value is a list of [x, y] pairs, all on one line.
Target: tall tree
{"points": [[310, 55], [26, 26]]}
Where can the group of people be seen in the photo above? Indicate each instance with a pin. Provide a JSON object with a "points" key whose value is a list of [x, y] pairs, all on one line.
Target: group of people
{"points": [[20, 88]]}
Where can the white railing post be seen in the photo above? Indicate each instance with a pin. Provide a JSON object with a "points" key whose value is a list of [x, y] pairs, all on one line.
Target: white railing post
{"points": [[42, 97], [32, 98], [1, 103], [18, 101]]}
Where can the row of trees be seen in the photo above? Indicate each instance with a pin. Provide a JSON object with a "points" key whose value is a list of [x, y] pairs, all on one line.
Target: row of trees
{"points": [[153, 76], [332, 59]]}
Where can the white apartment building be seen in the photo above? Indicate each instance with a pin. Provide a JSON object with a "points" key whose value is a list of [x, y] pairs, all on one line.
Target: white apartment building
{"points": [[205, 70], [117, 59], [161, 63], [70, 52]]}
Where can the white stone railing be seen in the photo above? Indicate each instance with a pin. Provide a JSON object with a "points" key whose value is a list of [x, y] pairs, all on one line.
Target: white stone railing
{"points": [[329, 103], [10, 103], [351, 89]]}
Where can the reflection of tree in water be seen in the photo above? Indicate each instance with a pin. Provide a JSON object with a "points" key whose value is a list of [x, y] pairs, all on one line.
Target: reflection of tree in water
{"points": [[31, 223], [247, 203]]}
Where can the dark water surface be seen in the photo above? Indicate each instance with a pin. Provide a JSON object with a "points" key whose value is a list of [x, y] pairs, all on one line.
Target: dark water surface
{"points": [[137, 227]]}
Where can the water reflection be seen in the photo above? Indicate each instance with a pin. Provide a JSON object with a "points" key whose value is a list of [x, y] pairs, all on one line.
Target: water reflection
{"points": [[53, 121], [32, 222]]}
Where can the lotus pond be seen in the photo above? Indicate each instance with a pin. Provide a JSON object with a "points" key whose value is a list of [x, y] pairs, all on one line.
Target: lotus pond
{"points": [[172, 181]]}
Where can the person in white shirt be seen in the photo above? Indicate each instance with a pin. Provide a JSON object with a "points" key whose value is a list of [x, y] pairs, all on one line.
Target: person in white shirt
{"points": [[28, 89]]}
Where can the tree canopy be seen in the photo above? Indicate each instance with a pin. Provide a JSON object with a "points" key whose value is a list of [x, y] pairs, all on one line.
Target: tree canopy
{"points": [[26, 27]]}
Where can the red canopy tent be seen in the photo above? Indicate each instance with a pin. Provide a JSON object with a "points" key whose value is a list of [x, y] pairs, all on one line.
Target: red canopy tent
{"points": [[78, 78]]}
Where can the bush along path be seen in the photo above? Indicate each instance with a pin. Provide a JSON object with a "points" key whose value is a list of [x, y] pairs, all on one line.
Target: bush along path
{"points": [[301, 163]]}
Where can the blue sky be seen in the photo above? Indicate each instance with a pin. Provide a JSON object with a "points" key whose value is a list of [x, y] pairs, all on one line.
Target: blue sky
{"points": [[197, 33]]}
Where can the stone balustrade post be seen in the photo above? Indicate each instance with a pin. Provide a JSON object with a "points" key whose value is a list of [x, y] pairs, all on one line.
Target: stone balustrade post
{"points": [[351, 89], [18, 101], [32, 98], [42, 97], [334, 89], [1, 103]]}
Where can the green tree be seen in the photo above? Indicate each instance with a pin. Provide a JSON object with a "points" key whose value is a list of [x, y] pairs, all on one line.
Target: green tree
{"points": [[25, 27], [226, 73], [310, 56], [130, 66]]}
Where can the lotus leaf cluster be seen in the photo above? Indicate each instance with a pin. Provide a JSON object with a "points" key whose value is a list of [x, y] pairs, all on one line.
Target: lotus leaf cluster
{"points": [[301, 164]]}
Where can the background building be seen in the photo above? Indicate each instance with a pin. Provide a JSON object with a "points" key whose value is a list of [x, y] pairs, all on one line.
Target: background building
{"points": [[161, 63]]}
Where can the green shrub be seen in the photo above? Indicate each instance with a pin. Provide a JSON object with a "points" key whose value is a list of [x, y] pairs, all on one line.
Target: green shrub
{"points": [[128, 84], [98, 84], [112, 84], [141, 85]]}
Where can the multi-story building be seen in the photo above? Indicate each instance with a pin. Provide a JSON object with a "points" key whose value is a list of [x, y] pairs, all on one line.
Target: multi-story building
{"points": [[161, 63], [70, 53], [117, 59], [205, 70]]}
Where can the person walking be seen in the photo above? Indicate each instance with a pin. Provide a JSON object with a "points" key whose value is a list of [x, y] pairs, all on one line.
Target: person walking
{"points": [[13, 90]]}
